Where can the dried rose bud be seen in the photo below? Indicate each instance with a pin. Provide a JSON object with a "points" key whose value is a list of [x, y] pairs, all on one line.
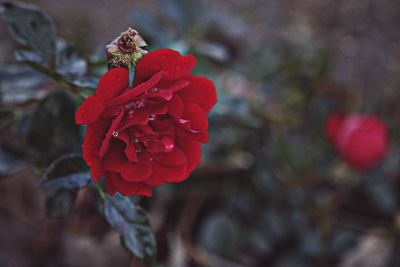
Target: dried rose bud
{"points": [[126, 49]]}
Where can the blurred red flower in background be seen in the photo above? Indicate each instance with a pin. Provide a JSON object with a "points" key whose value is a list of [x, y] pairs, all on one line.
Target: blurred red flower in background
{"points": [[150, 134], [360, 139]]}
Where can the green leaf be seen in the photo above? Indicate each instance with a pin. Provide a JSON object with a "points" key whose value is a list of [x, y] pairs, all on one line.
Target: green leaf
{"points": [[59, 203], [69, 63], [7, 116], [10, 162], [132, 223], [67, 172], [31, 27], [62, 180], [53, 132]]}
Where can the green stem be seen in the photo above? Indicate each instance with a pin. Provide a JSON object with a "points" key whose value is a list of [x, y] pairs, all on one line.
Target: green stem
{"points": [[100, 190], [70, 86]]}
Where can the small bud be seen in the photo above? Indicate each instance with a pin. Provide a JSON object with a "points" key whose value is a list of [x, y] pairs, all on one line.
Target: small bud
{"points": [[126, 49]]}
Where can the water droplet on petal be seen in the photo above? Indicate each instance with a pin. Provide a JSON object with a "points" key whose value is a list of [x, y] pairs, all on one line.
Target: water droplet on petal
{"points": [[154, 90], [139, 103], [115, 133], [152, 117], [130, 113], [129, 105]]}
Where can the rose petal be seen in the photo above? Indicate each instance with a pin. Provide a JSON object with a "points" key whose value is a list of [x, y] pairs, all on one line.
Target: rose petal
{"points": [[95, 134], [168, 60], [168, 91], [137, 171], [171, 174], [130, 149], [142, 116], [192, 149], [163, 125], [196, 136], [134, 92], [110, 188], [196, 116], [90, 110], [130, 188], [114, 159], [175, 107], [111, 131], [200, 91], [110, 84], [153, 180], [96, 169], [174, 158]]}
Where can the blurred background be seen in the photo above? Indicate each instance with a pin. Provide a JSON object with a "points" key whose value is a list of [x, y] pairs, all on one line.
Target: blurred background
{"points": [[271, 191]]}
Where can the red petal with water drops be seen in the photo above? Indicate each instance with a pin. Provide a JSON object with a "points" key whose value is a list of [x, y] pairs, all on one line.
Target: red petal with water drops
{"points": [[168, 60], [200, 91], [134, 92], [195, 136], [145, 136], [111, 132], [196, 116]]}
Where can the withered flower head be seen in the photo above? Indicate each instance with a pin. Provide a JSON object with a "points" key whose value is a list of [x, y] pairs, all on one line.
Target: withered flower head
{"points": [[126, 49]]}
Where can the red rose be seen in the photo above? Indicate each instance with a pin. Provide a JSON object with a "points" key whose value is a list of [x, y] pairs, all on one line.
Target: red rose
{"points": [[360, 139], [149, 134]]}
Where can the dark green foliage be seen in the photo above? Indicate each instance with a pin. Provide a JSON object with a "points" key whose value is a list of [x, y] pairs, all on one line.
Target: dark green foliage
{"points": [[32, 28], [132, 223], [53, 132], [62, 180]]}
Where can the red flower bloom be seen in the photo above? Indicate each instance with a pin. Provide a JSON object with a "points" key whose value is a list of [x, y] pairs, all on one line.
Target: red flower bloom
{"points": [[360, 139], [150, 134]]}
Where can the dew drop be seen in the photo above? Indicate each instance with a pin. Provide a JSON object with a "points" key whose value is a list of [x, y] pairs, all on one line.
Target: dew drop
{"points": [[154, 90], [129, 105], [130, 113], [138, 150], [115, 133], [139, 104], [152, 117]]}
